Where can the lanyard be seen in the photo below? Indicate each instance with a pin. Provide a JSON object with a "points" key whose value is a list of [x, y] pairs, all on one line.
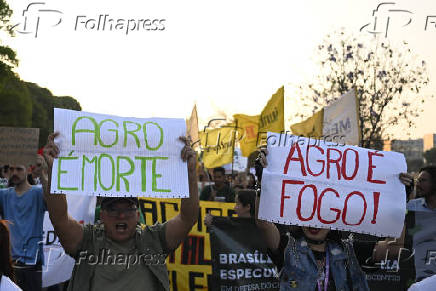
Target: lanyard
{"points": [[327, 272]]}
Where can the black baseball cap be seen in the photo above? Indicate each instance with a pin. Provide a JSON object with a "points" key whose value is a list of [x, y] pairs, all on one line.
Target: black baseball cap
{"points": [[107, 201]]}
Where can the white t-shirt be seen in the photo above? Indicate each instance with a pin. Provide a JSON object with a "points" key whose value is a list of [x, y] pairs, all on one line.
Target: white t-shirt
{"points": [[7, 285]]}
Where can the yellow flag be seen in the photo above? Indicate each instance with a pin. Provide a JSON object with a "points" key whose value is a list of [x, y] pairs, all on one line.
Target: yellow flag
{"points": [[311, 127], [249, 126], [218, 145], [272, 117]]}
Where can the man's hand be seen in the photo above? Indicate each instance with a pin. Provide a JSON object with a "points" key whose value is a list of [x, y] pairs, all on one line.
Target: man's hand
{"points": [[51, 150], [40, 169], [188, 154], [406, 179]]}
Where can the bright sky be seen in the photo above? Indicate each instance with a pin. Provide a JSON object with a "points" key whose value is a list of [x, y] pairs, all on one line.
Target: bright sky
{"points": [[223, 55]]}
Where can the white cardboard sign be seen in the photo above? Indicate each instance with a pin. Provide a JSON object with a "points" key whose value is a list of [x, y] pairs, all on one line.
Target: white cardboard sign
{"points": [[107, 155], [314, 183]]}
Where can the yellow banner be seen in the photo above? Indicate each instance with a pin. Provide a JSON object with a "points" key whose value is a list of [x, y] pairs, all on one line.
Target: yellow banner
{"points": [[272, 117], [218, 145], [250, 128], [189, 266], [311, 127]]}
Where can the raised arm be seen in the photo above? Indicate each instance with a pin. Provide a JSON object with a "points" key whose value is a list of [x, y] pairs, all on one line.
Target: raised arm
{"points": [[69, 231], [179, 226], [268, 230]]}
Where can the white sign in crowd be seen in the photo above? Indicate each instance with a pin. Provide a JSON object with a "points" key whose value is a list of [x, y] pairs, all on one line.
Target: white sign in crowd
{"points": [[107, 155], [327, 185]]}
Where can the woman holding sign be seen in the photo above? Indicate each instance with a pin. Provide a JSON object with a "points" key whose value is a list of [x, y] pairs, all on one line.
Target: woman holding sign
{"points": [[311, 258]]}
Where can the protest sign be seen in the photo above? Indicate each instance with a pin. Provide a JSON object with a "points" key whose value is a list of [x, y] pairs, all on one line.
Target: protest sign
{"points": [[115, 156], [189, 266], [18, 146], [239, 258], [320, 184], [58, 266]]}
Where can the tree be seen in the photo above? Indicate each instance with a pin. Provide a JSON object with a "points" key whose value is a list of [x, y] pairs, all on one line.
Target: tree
{"points": [[25, 104], [43, 102], [430, 156], [386, 79]]}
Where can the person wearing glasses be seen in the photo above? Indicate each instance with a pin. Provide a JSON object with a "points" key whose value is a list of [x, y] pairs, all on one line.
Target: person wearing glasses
{"points": [[118, 254]]}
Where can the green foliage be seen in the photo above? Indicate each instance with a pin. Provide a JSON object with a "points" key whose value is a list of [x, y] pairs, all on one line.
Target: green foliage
{"points": [[16, 110], [430, 156], [24, 104], [43, 103], [388, 81], [5, 14], [67, 102]]}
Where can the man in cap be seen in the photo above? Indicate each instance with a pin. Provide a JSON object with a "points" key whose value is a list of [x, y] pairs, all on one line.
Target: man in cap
{"points": [[118, 254]]}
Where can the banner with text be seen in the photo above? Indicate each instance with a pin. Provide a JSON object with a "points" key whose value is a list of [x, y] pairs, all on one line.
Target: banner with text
{"points": [[107, 155], [239, 258], [18, 146], [189, 266], [321, 184]]}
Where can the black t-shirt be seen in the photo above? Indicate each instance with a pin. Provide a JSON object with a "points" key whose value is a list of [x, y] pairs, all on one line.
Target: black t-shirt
{"points": [[278, 260]]}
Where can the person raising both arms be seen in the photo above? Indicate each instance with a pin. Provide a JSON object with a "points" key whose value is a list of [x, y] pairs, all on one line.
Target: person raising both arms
{"points": [[309, 258], [119, 236]]}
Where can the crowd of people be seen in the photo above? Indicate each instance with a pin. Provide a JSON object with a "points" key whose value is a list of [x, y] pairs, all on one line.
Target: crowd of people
{"points": [[307, 258]]}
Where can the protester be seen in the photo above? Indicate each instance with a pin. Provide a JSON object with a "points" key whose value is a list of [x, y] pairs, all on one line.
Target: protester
{"points": [[4, 176], [420, 234], [220, 191], [309, 258], [251, 181], [245, 203], [4, 172], [23, 206], [119, 235], [245, 206]]}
